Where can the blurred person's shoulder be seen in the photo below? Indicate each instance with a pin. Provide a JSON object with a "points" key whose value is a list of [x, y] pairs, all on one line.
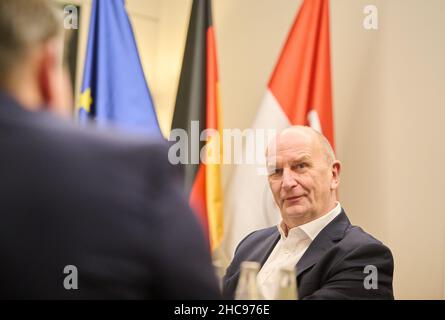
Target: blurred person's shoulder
{"points": [[61, 137], [131, 154], [50, 144], [89, 137]]}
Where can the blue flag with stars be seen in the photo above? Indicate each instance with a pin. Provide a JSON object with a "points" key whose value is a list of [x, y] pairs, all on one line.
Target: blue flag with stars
{"points": [[114, 90]]}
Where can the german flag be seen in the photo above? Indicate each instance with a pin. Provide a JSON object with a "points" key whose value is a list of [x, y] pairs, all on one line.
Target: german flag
{"points": [[198, 103]]}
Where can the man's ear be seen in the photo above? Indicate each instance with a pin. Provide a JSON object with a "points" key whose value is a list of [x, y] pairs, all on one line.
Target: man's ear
{"points": [[47, 60], [336, 168], [54, 84]]}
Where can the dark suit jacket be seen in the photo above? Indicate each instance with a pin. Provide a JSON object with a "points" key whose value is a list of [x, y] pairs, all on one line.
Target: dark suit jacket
{"points": [[108, 205], [331, 268]]}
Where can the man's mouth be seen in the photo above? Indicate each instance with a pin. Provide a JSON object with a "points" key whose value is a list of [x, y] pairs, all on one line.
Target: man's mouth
{"points": [[293, 198]]}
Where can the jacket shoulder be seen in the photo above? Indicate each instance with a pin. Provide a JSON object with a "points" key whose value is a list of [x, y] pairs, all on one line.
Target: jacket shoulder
{"points": [[255, 237], [360, 248], [82, 147], [355, 237]]}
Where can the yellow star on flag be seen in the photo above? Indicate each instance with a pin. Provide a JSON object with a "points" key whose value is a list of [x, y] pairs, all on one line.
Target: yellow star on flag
{"points": [[85, 100]]}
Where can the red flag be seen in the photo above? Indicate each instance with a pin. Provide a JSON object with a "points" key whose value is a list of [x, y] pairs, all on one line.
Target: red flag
{"points": [[299, 93], [301, 81]]}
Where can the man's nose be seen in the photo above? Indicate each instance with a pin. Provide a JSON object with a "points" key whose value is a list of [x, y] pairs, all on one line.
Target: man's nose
{"points": [[289, 179]]}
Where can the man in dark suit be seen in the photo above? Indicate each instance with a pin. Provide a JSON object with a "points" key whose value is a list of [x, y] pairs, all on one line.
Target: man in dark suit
{"points": [[82, 214], [333, 259]]}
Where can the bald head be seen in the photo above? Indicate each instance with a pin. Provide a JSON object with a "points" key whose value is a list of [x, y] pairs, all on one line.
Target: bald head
{"points": [[310, 133]]}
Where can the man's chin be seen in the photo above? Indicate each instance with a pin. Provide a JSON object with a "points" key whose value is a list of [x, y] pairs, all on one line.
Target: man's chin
{"points": [[296, 212]]}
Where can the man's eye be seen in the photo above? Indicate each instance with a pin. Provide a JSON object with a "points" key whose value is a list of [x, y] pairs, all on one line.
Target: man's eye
{"points": [[275, 172], [300, 166]]}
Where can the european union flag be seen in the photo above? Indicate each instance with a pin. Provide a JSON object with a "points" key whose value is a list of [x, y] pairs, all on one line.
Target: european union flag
{"points": [[114, 89]]}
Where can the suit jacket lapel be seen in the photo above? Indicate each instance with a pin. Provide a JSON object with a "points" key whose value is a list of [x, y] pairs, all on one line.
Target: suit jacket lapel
{"points": [[331, 234], [259, 254], [264, 249]]}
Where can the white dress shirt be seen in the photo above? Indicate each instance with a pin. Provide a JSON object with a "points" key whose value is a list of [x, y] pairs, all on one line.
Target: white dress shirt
{"points": [[289, 250]]}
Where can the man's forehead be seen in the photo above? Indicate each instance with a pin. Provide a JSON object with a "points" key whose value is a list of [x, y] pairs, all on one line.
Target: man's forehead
{"points": [[291, 140], [291, 158], [290, 155], [300, 133]]}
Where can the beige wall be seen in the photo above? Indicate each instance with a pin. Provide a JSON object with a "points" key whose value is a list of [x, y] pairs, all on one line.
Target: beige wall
{"points": [[388, 99], [415, 98]]}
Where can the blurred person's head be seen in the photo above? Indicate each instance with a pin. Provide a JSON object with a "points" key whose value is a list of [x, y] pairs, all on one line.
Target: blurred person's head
{"points": [[31, 55], [303, 175]]}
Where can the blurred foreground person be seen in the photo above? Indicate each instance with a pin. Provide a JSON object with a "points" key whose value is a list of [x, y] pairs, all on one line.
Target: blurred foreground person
{"points": [[332, 258], [82, 214]]}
